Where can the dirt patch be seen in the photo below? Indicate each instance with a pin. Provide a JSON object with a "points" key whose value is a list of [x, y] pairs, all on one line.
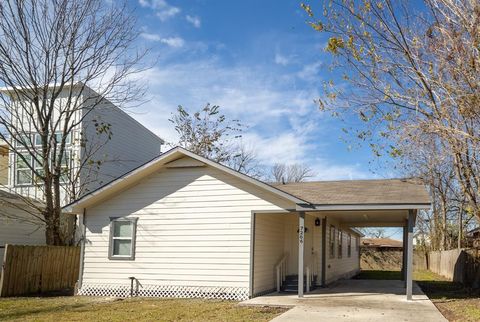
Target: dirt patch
{"points": [[381, 260], [389, 260]]}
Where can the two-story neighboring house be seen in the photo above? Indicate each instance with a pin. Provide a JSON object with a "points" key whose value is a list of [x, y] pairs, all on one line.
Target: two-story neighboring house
{"points": [[98, 157], [92, 158]]}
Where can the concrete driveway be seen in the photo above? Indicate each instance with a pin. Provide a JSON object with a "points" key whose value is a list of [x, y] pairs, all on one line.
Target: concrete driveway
{"points": [[354, 300]]}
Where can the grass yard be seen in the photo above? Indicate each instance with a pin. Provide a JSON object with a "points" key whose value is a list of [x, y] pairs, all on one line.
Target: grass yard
{"points": [[80, 308], [454, 301]]}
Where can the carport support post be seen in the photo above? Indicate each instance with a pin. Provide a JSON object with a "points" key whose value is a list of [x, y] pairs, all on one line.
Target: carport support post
{"points": [[404, 254], [301, 241], [410, 254]]}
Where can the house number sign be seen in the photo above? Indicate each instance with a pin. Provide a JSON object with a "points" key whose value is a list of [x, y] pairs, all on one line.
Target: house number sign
{"points": [[300, 234]]}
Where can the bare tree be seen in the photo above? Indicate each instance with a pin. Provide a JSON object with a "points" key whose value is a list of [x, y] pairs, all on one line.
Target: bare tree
{"points": [[415, 79], [59, 61], [374, 232], [285, 173], [208, 133], [244, 159]]}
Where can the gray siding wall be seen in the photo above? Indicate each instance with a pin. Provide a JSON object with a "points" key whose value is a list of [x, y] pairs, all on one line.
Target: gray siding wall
{"points": [[130, 145]]}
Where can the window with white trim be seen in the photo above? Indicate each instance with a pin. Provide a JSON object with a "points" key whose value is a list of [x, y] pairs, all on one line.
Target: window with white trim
{"points": [[122, 238], [340, 243], [23, 171], [349, 246], [332, 241], [24, 176]]}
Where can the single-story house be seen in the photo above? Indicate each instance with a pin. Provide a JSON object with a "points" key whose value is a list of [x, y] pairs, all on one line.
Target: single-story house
{"points": [[381, 244], [473, 238], [184, 226]]}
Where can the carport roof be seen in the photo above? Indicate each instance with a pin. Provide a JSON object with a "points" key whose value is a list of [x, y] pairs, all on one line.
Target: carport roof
{"points": [[360, 192]]}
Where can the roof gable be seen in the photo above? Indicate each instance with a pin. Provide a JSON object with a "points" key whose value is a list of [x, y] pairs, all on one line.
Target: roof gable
{"points": [[176, 157]]}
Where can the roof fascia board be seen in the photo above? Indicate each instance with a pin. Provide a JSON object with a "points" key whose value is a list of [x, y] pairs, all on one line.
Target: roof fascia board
{"points": [[363, 207]]}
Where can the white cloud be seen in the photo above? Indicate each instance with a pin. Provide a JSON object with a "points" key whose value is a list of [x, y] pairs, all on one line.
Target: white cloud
{"points": [[162, 9], [310, 72], [284, 125], [194, 20], [281, 60], [168, 13], [149, 36], [327, 170], [175, 42]]}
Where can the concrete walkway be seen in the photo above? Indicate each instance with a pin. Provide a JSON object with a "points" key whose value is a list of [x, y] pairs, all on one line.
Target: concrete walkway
{"points": [[354, 300]]}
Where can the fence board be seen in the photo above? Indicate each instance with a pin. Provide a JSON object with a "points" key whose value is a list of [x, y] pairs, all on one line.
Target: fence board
{"points": [[458, 265], [38, 269]]}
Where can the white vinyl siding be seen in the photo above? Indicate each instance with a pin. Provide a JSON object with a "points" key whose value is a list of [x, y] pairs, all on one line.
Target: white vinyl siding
{"points": [[193, 229], [19, 231], [269, 249], [345, 266]]}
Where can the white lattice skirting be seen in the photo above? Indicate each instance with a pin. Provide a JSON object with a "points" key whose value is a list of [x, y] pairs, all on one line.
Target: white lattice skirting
{"points": [[116, 290]]}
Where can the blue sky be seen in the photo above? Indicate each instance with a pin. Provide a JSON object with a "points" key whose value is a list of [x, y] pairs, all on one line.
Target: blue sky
{"points": [[262, 64]]}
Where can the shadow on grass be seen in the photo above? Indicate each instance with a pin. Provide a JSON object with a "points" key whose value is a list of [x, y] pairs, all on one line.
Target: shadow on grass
{"points": [[446, 290], [378, 275], [25, 312]]}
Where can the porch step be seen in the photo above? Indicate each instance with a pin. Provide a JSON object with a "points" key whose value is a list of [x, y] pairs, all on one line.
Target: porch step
{"points": [[291, 283]]}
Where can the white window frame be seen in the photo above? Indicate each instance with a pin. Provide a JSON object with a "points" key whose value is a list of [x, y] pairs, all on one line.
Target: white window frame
{"points": [[132, 238], [27, 168], [349, 245], [331, 242], [340, 243]]}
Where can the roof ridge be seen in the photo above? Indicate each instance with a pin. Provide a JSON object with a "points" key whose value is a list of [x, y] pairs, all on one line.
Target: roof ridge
{"points": [[346, 180]]}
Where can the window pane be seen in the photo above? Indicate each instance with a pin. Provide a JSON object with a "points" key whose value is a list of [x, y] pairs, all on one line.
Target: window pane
{"points": [[122, 229], [23, 141], [58, 138], [21, 164], [24, 176], [38, 140], [122, 247]]}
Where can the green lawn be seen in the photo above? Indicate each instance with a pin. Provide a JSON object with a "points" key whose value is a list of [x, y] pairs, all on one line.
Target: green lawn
{"points": [[80, 308], [454, 301]]}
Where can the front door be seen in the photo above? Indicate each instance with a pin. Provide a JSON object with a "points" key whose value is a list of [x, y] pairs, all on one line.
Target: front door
{"points": [[291, 242]]}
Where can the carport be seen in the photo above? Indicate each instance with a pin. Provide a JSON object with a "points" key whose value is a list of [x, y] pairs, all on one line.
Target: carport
{"points": [[354, 300], [359, 203]]}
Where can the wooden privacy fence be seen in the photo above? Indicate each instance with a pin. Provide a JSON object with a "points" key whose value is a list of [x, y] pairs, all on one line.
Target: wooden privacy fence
{"points": [[38, 269], [458, 265], [447, 263]]}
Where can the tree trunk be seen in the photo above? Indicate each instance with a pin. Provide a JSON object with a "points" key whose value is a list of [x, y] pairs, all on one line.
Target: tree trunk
{"points": [[52, 229]]}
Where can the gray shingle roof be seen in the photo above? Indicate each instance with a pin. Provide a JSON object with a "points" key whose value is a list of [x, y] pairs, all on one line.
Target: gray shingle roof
{"points": [[356, 192]]}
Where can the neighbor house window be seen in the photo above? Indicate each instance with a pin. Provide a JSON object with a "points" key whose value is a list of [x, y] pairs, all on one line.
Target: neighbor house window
{"points": [[332, 241], [349, 246], [340, 243], [23, 175], [122, 238], [23, 172]]}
